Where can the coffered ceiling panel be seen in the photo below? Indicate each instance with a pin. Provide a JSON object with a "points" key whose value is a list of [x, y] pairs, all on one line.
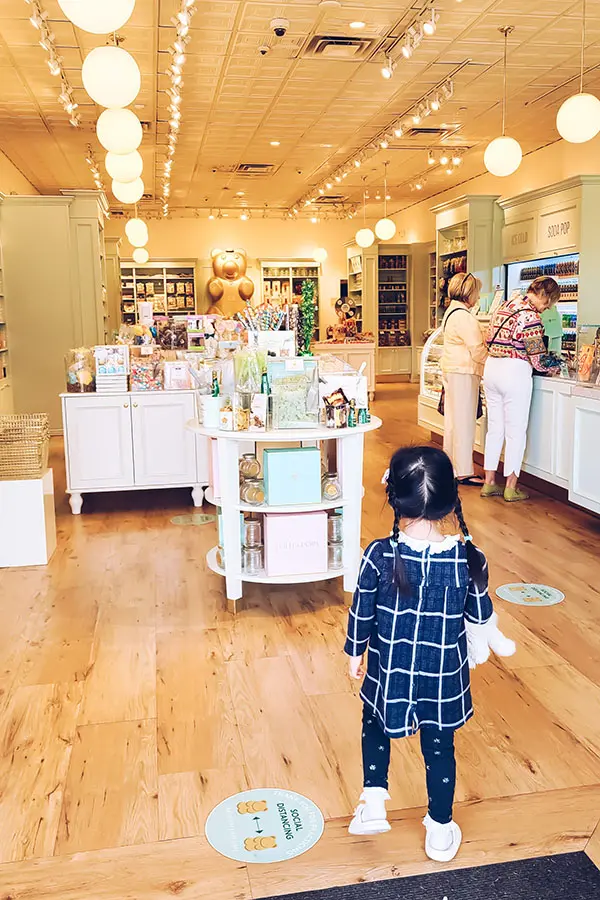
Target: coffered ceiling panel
{"points": [[322, 109]]}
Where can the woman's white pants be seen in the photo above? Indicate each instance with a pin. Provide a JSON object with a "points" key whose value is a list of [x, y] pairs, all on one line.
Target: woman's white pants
{"points": [[460, 414], [508, 384]]}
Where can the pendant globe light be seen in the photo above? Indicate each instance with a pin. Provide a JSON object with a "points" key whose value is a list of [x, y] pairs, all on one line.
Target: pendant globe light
{"points": [[128, 193], [503, 155], [320, 254], [111, 76], [578, 119], [385, 228], [97, 16], [364, 237], [119, 131], [137, 232], [140, 256], [124, 167]]}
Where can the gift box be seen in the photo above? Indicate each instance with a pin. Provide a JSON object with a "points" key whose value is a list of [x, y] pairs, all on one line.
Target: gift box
{"points": [[295, 543], [292, 475]]}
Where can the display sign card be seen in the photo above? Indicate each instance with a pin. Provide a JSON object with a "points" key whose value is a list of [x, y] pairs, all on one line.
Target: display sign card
{"points": [[145, 316], [530, 594], [264, 826]]}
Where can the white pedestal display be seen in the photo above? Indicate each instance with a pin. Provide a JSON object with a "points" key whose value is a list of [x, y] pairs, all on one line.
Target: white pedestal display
{"points": [[350, 447], [27, 521]]}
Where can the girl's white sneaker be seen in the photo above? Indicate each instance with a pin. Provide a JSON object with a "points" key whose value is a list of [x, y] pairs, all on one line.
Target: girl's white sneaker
{"points": [[370, 816], [442, 842]]}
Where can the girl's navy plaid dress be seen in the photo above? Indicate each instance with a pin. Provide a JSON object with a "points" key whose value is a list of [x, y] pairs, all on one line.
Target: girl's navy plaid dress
{"points": [[418, 670]]}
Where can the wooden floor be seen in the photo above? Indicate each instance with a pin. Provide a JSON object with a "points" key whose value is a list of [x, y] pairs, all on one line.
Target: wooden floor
{"points": [[131, 703]]}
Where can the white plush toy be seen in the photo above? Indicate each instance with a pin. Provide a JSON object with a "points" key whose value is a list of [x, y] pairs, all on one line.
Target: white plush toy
{"points": [[481, 639]]}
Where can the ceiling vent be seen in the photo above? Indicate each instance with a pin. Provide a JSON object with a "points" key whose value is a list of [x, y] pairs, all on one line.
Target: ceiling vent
{"points": [[421, 132], [254, 170], [330, 200], [329, 47]]}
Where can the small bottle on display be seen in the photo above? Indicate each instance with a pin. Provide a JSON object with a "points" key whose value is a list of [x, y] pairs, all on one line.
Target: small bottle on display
{"points": [[215, 384], [264, 384]]}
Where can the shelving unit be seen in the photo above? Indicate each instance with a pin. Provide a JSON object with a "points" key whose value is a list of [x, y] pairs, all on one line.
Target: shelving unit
{"points": [[355, 287], [452, 259], [433, 303], [394, 356], [349, 451], [282, 283], [5, 393], [171, 287]]}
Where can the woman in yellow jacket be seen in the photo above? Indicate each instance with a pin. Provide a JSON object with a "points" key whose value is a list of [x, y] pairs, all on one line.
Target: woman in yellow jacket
{"points": [[463, 359]]}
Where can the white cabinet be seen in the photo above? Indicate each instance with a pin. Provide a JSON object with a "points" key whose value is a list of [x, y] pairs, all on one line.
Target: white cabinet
{"points": [[164, 450], [585, 482], [550, 433], [132, 441], [394, 361], [98, 441]]}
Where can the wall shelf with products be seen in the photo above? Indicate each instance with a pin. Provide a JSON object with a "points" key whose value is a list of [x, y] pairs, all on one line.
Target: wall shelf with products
{"points": [[281, 283], [393, 311], [355, 286], [170, 287], [433, 303]]}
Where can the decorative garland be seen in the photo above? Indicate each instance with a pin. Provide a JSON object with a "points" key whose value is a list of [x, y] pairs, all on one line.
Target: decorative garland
{"points": [[307, 314]]}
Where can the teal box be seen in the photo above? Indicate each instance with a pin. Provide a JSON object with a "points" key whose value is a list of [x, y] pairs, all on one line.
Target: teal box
{"points": [[292, 475]]}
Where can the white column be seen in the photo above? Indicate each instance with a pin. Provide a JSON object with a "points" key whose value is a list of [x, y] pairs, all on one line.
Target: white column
{"points": [[230, 496]]}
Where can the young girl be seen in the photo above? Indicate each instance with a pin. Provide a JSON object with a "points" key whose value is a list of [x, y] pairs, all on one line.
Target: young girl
{"points": [[423, 611]]}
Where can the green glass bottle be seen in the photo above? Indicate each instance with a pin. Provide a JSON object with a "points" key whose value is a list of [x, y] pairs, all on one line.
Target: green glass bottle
{"points": [[264, 383], [215, 384]]}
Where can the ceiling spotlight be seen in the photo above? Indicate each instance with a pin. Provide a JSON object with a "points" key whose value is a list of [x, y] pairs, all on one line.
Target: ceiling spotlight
{"points": [[416, 118], [344, 174], [430, 24], [240, 193], [456, 160], [431, 159], [314, 220], [357, 25], [357, 163], [338, 178], [398, 132], [435, 103], [388, 70], [449, 170], [244, 217], [211, 215], [275, 143], [329, 185], [321, 191], [418, 185], [448, 90], [443, 160], [384, 144]]}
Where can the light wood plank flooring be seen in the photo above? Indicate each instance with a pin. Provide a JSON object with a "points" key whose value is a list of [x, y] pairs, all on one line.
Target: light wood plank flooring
{"points": [[131, 702]]}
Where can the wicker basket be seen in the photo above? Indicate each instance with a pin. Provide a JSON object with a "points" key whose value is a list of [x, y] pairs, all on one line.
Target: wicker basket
{"points": [[24, 443]]}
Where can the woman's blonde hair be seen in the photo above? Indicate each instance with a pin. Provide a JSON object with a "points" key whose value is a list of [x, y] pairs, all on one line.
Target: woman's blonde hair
{"points": [[545, 286], [463, 286]]}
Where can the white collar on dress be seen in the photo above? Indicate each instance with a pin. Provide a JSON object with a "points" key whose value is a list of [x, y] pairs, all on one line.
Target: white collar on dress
{"points": [[418, 545]]}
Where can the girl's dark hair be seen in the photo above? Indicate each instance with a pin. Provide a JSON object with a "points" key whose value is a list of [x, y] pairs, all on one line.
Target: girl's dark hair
{"points": [[421, 485]]}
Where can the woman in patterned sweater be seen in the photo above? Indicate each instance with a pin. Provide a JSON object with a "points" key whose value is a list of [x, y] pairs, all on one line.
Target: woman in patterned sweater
{"points": [[423, 612], [516, 347]]}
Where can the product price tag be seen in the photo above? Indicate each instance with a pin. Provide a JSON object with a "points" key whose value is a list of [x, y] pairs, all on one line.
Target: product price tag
{"points": [[294, 365]]}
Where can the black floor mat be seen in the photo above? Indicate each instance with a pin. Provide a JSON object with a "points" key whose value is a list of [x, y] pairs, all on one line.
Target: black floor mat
{"points": [[570, 876]]}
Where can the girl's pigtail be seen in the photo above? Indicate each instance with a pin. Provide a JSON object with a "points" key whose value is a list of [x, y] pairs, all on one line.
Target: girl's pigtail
{"points": [[400, 578], [474, 559]]}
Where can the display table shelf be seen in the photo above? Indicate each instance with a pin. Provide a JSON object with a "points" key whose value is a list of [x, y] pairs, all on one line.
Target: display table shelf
{"points": [[350, 452]]}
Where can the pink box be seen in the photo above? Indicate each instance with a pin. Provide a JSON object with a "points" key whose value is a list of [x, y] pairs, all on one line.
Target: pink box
{"points": [[215, 483], [295, 543]]}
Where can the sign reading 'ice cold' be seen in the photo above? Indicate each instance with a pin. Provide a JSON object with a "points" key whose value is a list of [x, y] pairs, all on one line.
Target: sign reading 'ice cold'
{"points": [[264, 826]]}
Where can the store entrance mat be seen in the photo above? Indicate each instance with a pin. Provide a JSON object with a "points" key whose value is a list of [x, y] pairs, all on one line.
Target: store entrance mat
{"points": [[570, 875]]}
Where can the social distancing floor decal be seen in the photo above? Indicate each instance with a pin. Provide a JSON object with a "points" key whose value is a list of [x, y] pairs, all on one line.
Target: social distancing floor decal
{"points": [[264, 826], [530, 594]]}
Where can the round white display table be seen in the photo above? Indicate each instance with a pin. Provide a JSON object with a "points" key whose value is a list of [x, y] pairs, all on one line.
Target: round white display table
{"points": [[350, 451]]}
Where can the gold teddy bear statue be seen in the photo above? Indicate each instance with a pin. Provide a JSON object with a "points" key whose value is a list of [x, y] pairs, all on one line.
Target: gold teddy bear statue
{"points": [[252, 806], [229, 289], [260, 843]]}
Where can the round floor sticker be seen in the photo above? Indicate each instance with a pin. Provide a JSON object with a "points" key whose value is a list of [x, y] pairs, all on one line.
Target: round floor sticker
{"points": [[530, 594], [193, 519], [264, 826]]}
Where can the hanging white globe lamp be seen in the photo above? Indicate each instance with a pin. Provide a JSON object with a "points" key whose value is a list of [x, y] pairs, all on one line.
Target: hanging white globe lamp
{"points": [[140, 256], [385, 229], [111, 76], [124, 167], [578, 119], [97, 16], [137, 232], [128, 193], [320, 254], [119, 131], [503, 155], [364, 237]]}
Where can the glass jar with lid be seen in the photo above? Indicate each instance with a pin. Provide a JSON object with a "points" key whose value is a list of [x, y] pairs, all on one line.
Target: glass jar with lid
{"points": [[252, 491], [252, 532], [252, 560], [331, 488], [249, 466], [335, 530], [335, 553]]}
